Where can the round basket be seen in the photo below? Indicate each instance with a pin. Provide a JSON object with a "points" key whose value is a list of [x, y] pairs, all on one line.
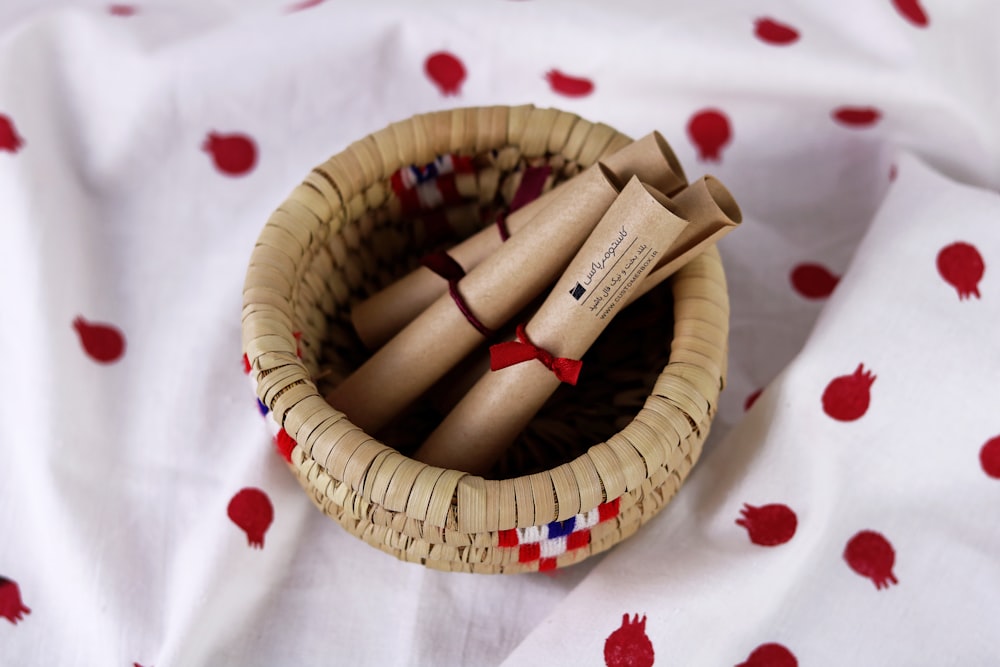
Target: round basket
{"points": [[353, 226]]}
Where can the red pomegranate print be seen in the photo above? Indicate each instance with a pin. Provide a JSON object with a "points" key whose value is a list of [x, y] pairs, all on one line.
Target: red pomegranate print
{"points": [[446, 71], [233, 154], [846, 398], [304, 4], [121, 10], [251, 510], [10, 141], [11, 606], [769, 525], [813, 281], [962, 267], [857, 116], [772, 32], [570, 86], [989, 457], [770, 655], [912, 12], [628, 646], [710, 131], [102, 342], [870, 555], [751, 399], [285, 444]]}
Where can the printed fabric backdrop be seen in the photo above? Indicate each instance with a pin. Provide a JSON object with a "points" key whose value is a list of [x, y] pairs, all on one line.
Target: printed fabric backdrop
{"points": [[845, 509]]}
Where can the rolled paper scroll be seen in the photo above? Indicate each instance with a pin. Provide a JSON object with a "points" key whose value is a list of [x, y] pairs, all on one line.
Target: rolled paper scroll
{"points": [[385, 313], [491, 293], [712, 212], [633, 235]]}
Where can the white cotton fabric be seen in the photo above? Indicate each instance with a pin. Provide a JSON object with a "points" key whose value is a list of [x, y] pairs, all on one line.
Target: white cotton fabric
{"points": [[115, 477]]}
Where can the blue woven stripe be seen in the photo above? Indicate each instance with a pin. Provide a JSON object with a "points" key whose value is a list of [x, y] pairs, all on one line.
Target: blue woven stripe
{"points": [[425, 173], [560, 528]]}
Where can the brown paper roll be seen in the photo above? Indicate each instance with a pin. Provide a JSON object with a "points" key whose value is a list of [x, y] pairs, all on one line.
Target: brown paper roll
{"points": [[495, 290], [712, 212], [636, 231], [385, 313]]}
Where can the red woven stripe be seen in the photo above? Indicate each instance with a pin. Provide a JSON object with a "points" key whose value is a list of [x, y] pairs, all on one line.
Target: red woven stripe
{"points": [[507, 538], [449, 192], [546, 564], [396, 181], [462, 164], [246, 364], [285, 445], [578, 540], [529, 552], [609, 510], [409, 200]]}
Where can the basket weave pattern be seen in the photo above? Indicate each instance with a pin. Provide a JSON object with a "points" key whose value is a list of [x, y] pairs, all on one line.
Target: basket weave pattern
{"points": [[349, 229]]}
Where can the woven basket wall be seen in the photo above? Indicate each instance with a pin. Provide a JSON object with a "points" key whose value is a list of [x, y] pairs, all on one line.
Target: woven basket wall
{"points": [[353, 226]]}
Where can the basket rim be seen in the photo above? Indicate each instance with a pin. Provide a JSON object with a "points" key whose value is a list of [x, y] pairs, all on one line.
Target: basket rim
{"points": [[324, 199]]}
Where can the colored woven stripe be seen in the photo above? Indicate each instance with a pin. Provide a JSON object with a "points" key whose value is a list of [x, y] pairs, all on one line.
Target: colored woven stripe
{"points": [[413, 175], [431, 186], [608, 510], [577, 540], [283, 442], [548, 542], [529, 552], [507, 538], [561, 528], [253, 385]]}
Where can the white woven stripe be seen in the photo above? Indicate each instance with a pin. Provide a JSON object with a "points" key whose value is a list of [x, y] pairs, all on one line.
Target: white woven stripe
{"points": [[532, 534], [588, 520], [408, 177], [429, 195], [554, 547]]}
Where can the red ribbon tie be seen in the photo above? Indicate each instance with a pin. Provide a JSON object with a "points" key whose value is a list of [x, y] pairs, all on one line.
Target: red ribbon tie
{"points": [[513, 352]]}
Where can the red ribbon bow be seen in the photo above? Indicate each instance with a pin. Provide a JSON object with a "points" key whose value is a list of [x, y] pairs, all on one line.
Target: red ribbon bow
{"points": [[513, 352]]}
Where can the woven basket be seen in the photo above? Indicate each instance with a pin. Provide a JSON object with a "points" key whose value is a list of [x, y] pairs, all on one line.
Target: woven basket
{"points": [[347, 231]]}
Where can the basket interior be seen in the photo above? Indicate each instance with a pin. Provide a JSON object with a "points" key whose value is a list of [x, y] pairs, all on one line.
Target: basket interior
{"points": [[422, 208]]}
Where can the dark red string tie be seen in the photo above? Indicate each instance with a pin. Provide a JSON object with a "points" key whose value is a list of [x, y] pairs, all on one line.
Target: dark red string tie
{"points": [[530, 189], [445, 266], [513, 352], [502, 226]]}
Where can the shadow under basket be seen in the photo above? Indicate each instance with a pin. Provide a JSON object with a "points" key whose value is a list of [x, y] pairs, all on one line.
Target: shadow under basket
{"points": [[646, 397]]}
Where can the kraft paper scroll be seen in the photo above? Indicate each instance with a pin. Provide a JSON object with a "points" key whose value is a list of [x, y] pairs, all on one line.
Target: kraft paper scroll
{"points": [[385, 313], [495, 290], [711, 213], [635, 233]]}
